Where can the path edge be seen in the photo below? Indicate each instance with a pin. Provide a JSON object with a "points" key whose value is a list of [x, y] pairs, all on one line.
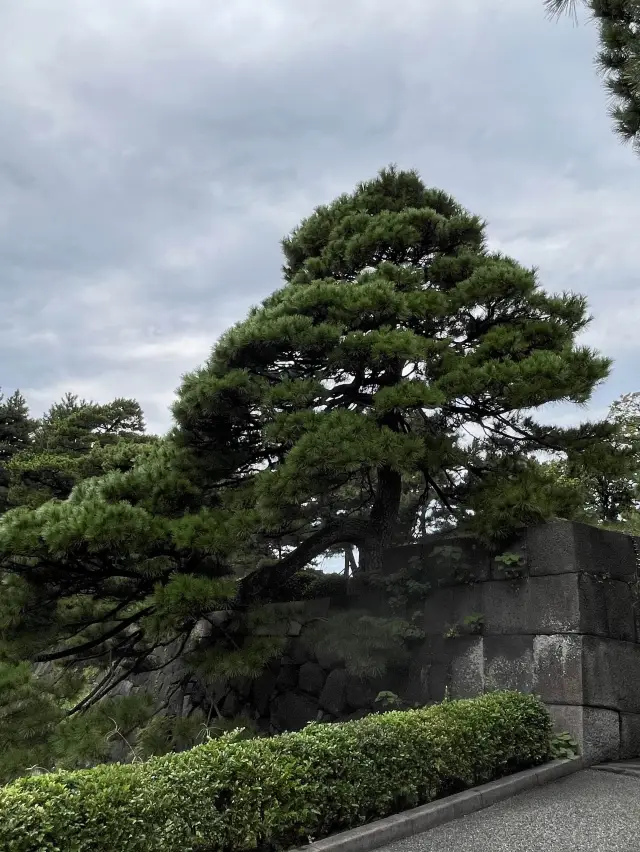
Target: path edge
{"points": [[415, 821]]}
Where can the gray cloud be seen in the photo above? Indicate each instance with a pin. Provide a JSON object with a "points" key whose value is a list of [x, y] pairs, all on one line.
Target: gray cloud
{"points": [[152, 155]]}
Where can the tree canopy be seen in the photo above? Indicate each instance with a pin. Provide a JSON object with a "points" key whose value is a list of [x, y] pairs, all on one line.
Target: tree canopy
{"points": [[618, 59], [387, 387]]}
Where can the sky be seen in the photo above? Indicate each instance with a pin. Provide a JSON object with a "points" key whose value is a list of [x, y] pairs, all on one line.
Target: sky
{"points": [[154, 152]]}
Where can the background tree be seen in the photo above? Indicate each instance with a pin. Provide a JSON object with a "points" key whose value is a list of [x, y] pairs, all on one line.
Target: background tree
{"points": [[618, 59], [387, 381], [45, 459], [608, 479], [74, 440], [16, 429]]}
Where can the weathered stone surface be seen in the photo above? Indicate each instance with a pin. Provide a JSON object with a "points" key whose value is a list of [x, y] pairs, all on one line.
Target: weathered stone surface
{"points": [[448, 606], [263, 689], [606, 608], [295, 628], [467, 667], [629, 735], [557, 668], [597, 731], [601, 734], [603, 551], [287, 678], [242, 686], [551, 549], [311, 678], [567, 718], [360, 694], [333, 698], [299, 651], [565, 547], [611, 674], [439, 568], [291, 712], [231, 705], [508, 663], [532, 605], [329, 658]]}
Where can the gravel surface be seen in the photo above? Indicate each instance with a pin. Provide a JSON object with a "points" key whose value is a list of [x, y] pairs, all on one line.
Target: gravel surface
{"points": [[591, 811]]}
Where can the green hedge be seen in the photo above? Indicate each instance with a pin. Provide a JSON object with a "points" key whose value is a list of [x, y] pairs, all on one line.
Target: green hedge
{"points": [[277, 792]]}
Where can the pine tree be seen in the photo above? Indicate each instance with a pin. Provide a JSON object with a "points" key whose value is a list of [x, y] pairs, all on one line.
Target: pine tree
{"points": [[15, 436], [74, 440], [618, 59], [44, 460], [338, 414]]}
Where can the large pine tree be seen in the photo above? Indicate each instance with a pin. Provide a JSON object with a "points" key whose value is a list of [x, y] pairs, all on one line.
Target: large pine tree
{"points": [[388, 380]]}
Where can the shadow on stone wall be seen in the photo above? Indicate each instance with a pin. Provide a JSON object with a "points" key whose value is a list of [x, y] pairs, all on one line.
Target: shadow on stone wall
{"points": [[556, 617]]}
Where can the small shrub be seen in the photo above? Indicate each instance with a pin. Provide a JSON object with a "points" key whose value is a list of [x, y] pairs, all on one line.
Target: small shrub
{"points": [[511, 565], [474, 622], [563, 746], [230, 795]]}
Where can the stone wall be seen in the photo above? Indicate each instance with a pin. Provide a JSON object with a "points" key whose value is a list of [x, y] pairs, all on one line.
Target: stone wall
{"points": [[567, 630]]}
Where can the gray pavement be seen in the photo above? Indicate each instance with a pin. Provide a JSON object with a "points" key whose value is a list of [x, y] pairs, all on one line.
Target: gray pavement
{"points": [[590, 811]]}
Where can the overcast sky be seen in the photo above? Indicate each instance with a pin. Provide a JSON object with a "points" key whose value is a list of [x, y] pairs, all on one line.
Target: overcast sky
{"points": [[154, 152]]}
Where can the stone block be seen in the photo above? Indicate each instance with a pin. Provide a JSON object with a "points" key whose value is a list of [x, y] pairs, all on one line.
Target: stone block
{"points": [[596, 730], [328, 658], [601, 551], [287, 678], [508, 663], [313, 609], [439, 568], [629, 735], [291, 712], [557, 668], [532, 605], [611, 674], [620, 610], [262, 691], [299, 651], [360, 694], [601, 734], [606, 608], [333, 698], [448, 606], [551, 549], [467, 667], [242, 686], [311, 678], [230, 706]]}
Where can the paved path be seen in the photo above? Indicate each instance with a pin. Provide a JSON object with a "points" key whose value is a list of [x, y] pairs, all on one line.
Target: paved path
{"points": [[591, 811]]}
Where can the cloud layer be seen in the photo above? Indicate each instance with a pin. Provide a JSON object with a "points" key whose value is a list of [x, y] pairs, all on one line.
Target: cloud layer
{"points": [[152, 155]]}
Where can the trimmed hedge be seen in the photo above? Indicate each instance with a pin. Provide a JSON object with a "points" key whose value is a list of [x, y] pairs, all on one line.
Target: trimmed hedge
{"points": [[281, 791]]}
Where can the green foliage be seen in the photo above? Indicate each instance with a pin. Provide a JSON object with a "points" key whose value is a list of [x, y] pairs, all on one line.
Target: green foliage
{"points": [[277, 792], [563, 746], [618, 58], [368, 645], [15, 437], [248, 659], [311, 584], [474, 622], [402, 589], [511, 565], [388, 700]]}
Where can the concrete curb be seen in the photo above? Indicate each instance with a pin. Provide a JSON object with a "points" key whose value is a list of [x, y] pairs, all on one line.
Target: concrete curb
{"points": [[415, 821]]}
